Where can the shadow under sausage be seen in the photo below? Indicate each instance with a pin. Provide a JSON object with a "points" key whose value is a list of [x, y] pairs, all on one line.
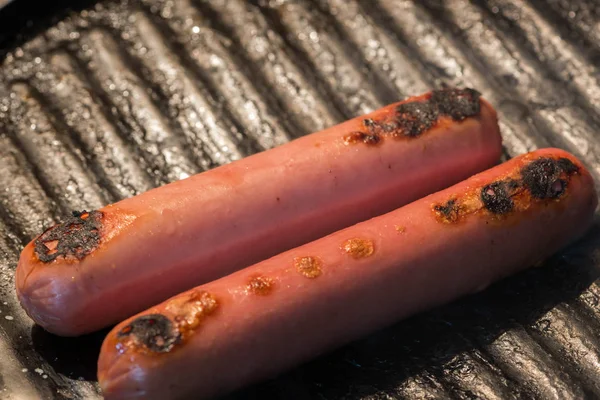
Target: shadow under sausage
{"points": [[428, 344], [75, 358]]}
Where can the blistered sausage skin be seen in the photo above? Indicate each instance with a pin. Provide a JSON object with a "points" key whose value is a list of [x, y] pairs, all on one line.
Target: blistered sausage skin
{"points": [[100, 267], [264, 319]]}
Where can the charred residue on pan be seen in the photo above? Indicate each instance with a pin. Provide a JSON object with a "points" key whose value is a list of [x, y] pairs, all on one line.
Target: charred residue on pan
{"points": [[547, 178], [154, 332], [413, 118], [76, 237], [309, 266], [541, 180], [260, 285], [358, 248]]}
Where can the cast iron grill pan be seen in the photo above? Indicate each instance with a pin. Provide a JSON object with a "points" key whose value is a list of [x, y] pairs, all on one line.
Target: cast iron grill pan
{"points": [[103, 100]]}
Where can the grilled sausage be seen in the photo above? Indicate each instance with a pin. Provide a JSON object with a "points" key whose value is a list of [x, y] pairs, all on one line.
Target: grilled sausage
{"points": [[259, 321], [99, 267]]}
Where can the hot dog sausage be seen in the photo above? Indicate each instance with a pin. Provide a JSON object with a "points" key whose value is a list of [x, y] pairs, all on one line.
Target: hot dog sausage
{"points": [[99, 267], [256, 322]]}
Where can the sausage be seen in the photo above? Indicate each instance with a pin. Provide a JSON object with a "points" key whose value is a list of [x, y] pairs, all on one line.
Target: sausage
{"points": [[264, 319], [99, 267]]}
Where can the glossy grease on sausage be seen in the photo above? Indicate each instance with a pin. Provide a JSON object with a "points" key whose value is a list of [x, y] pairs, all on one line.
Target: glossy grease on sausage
{"points": [[225, 334], [101, 266]]}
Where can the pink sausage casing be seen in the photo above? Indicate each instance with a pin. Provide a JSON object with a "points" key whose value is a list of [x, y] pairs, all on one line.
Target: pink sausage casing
{"points": [[264, 319], [99, 267]]}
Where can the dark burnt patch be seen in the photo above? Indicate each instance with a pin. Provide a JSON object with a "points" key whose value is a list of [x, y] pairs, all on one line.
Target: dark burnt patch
{"points": [[567, 166], [496, 196], [154, 331], [547, 178], [458, 104], [448, 212], [414, 118], [540, 180], [371, 139], [381, 128], [76, 237], [370, 124]]}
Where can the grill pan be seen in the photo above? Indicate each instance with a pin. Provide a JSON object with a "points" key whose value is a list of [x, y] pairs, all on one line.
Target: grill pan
{"points": [[101, 100]]}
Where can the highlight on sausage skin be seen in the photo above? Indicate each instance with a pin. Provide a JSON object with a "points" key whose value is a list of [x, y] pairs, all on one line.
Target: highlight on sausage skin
{"points": [[100, 266], [257, 322]]}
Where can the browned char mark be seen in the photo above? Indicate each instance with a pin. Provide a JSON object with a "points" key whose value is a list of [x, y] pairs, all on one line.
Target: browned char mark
{"points": [[76, 237], [308, 266], [543, 179], [413, 118], [358, 248], [260, 285], [358, 137], [157, 333], [448, 212]]}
